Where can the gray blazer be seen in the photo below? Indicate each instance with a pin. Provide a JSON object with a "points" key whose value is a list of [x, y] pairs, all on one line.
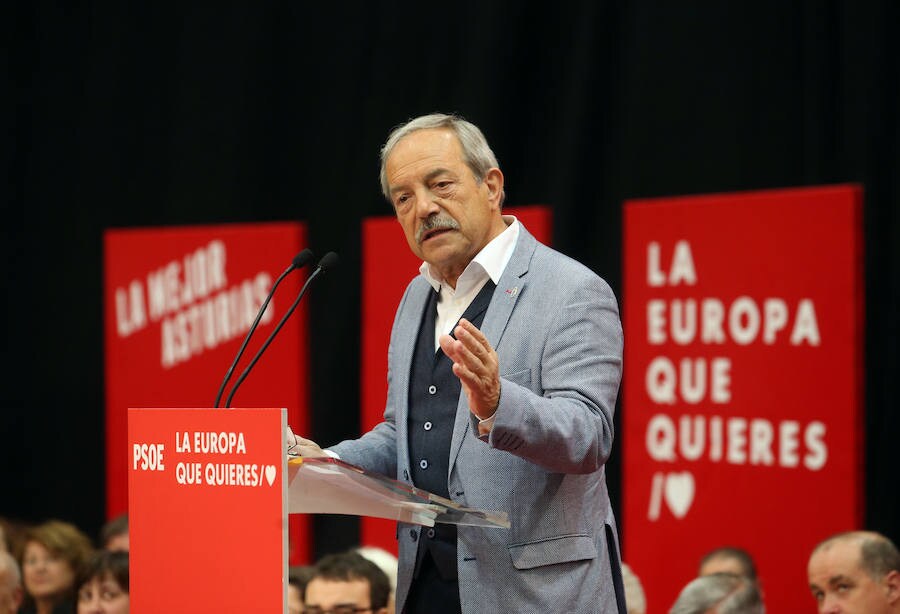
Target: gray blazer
{"points": [[555, 326]]}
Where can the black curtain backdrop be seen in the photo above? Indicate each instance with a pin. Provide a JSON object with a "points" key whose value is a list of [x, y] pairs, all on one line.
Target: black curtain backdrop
{"points": [[138, 114]]}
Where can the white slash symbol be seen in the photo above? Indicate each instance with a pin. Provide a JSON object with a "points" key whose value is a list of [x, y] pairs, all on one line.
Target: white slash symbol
{"points": [[655, 496]]}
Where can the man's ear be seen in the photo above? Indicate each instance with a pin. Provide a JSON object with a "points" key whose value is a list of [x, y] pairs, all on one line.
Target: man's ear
{"points": [[493, 180], [892, 583]]}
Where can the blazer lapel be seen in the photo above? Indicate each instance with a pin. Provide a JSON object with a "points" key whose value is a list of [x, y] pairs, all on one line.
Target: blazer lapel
{"points": [[509, 289]]}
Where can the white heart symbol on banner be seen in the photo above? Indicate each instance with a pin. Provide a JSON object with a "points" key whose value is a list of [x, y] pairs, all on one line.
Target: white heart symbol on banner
{"points": [[270, 474], [679, 492]]}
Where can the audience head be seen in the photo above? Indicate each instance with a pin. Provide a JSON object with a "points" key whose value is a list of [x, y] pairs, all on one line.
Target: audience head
{"points": [[387, 563], [10, 536], [728, 560], [297, 579], [114, 534], [635, 601], [103, 584], [721, 593], [855, 572], [346, 582], [54, 551], [11, 593]]}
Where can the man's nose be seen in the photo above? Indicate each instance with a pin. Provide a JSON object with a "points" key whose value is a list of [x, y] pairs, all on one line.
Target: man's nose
{"points": [[426, 204], [830, 606]]}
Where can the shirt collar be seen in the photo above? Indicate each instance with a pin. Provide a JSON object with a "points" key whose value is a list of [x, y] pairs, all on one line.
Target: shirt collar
{"points": [[491, 260]]}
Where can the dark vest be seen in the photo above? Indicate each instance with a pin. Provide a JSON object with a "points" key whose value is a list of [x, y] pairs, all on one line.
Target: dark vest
{"points": [[433, 395]]}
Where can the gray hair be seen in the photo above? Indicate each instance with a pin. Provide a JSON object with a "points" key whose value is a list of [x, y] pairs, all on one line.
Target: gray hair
{"points": [[386, 561], [635, 600], [743, 558], [8, 562], [728, 593], [476, 152], [878, 556]]}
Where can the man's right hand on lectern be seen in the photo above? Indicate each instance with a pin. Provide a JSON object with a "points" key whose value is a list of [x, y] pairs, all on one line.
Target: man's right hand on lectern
{"points": [[299, 446]]}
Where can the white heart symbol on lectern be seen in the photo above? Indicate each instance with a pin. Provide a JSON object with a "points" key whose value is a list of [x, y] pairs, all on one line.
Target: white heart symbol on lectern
{"points": [[270, 474], [679, 492]]}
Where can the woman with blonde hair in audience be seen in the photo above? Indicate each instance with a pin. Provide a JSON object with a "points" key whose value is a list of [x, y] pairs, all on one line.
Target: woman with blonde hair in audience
{"points": [[54, 552], [103, 584]]}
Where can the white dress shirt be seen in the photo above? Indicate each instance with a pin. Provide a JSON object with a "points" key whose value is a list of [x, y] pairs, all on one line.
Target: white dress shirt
{"points": [[489, 263]]}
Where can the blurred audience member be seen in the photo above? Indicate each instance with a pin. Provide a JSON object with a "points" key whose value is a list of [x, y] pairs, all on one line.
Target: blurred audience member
{"points": [[5, 546], [297, 578], [721, 593], [635, 601], [114, 534], [346, 583], [53, 553], [10, 536], [728, 560], [11, 593], [103, 584], [856, 573], [387, 563]]}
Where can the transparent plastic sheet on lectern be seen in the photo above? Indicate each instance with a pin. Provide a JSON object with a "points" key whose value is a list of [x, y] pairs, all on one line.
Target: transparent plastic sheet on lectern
{"points": [[331, 486]]}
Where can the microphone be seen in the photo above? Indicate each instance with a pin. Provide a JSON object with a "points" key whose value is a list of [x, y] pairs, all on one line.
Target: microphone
{"points": [[328, 261], [299, 261]]}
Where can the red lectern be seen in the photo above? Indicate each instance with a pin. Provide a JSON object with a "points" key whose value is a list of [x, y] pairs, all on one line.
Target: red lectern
{"points": [[207, 500], [208, 495]]}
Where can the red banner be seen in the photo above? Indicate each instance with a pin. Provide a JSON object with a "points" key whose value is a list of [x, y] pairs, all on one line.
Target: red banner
{"points": [[178, 303], [742, 398], [388, 266]]}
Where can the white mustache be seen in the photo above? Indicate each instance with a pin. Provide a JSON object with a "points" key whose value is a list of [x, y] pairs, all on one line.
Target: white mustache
{"points": [[435, 222]]}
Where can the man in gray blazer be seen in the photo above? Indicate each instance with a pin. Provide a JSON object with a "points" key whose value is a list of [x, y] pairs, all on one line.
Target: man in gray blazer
{"points": [[503, 369]]}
